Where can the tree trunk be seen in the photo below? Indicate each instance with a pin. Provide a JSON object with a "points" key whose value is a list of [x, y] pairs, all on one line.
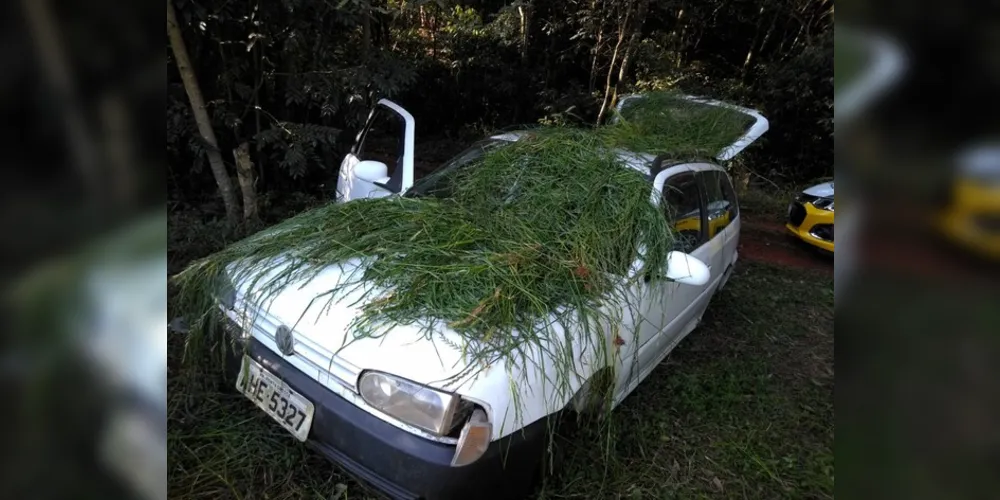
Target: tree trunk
{"points": [[635, 29], [244, 172], [679, 40], [753, 46], [690, 51], [258, 84], [201, 117], [118, 146], [611, 67], [596, 52], [432, 22], [52, 58], [767, 36], [366, 33], [640, 20], [593, 61], [524, 11]]}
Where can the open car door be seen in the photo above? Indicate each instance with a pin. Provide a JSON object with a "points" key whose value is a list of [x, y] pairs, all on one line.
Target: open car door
{"points": [[381, 161], [757, 127]]}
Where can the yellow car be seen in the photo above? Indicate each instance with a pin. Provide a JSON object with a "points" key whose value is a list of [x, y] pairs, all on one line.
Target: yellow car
{"points": [[810, 216], [718, 219], [972, 216]]}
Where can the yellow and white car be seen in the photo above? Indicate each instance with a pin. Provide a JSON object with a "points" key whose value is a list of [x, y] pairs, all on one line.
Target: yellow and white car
{"points": [[810, 216], [971, 217], [718, 218]]}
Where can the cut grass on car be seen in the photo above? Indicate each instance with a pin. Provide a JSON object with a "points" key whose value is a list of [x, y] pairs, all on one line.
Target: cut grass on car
{"points": [[502, 251], [665, 123]]}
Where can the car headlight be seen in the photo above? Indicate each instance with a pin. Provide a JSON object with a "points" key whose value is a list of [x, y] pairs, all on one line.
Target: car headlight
{"points": [[823, 203], [412, 403]]}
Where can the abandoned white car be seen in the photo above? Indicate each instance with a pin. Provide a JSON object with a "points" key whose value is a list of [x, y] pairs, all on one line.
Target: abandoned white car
{"points": [[381, 407]]}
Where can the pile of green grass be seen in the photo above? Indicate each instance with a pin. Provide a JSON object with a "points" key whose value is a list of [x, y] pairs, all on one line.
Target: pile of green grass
{"points": [[663, 122], [540, 232], [543, 229]]}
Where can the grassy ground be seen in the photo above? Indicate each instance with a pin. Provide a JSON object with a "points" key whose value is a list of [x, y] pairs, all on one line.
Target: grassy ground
{"points": [[743, 408], [764, 204]]}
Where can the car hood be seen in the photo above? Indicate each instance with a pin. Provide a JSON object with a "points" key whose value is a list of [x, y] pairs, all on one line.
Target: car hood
{"points": [[823, 190], [321, 320], [325, 347]]}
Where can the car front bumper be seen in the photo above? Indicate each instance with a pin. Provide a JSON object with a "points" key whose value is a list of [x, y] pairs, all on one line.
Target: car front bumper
{"points": [[811, 225], [400, 464], [972, 219], [976, 232]]}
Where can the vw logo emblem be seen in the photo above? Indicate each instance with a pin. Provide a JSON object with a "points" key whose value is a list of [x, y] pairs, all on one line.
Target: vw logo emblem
{"points": [[283, 338]]}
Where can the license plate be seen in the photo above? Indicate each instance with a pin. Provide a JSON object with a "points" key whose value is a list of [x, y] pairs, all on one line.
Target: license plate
{"points": [[271, 394]]}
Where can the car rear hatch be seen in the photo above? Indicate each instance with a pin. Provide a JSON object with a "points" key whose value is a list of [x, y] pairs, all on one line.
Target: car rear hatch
{"points": [[758, 124]]}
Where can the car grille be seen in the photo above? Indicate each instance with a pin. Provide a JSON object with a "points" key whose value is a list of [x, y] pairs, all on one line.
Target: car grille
{"points": [[807, 198], [308, 355], [796, 213], [823, 231]]}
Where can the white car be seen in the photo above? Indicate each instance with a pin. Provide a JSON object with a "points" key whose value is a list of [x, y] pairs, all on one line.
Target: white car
{"points": [[107, 303], [397, 411]]}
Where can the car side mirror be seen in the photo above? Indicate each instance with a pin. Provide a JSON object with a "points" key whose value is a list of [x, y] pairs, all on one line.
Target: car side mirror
{"points": [[371, 171], [687, 269]]}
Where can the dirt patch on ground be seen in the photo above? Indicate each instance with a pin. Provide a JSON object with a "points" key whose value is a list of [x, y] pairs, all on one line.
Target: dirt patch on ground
{"points": [[928, 256], [768, 241]]}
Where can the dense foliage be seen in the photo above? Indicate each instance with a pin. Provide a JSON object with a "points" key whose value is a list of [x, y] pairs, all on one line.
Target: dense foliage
{"points": [[294, 78]]}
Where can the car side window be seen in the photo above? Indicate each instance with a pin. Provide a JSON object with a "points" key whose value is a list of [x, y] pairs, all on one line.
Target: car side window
{"points": [[730, 193], [382, 140], [682, 204], [720, 202], [440, 183]]}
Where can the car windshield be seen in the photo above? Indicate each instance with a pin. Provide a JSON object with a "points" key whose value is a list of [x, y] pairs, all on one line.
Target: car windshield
{"points": [[438, 183]]}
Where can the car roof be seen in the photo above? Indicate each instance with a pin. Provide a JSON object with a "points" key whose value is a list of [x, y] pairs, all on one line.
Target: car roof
{"points": [[640, 162]]}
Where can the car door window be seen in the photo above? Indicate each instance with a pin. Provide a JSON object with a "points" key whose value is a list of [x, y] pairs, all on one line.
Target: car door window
{"points": [[730, 194], [684, 210], [720, 201], [441, 182]]}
